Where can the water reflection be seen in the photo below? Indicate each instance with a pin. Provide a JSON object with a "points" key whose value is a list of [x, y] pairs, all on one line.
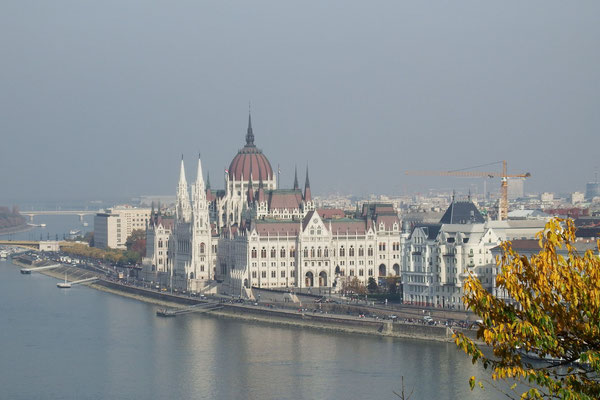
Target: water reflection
{"points": [[98, 345]]}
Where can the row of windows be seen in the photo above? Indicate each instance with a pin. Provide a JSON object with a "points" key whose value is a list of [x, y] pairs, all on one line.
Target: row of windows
{"points": [[263, 274]]}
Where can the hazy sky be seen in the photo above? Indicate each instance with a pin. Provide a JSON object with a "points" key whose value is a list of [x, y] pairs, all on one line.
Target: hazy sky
{"points": [[99, 99]]}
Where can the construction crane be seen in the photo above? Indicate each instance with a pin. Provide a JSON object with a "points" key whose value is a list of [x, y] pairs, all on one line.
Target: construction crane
{"points": [[503, 205]]}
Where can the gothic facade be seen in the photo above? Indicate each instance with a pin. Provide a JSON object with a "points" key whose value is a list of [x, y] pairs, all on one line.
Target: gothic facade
{"points": [[253, 234]]}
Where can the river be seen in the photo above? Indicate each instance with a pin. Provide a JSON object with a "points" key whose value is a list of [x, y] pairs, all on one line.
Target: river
{"points": [[86, 344], [57, 227]]}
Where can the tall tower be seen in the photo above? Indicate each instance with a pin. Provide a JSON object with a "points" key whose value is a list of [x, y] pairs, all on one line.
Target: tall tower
{"points": [[183, 208], [308, 202], [200, 267]]}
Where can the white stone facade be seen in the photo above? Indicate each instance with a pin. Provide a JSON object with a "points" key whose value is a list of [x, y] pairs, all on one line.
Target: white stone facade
{"points": [[437, 259]]}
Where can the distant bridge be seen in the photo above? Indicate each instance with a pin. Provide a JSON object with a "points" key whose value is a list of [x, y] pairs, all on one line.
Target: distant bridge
{"points": [[80, 213]]}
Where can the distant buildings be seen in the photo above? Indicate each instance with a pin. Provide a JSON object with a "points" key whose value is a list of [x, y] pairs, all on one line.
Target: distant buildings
{"points": [[592, 189], [254, 234], [438, 258], [113, 227]]}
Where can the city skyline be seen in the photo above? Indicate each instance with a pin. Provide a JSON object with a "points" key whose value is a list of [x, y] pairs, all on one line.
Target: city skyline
{"points": [[101, 100]]}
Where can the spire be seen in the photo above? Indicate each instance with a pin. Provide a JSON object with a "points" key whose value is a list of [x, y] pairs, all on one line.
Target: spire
{"points": [[249, 134], [307, 183], [307, 194], [183, 208], [182, 173], [296, 187], [199, 177]]}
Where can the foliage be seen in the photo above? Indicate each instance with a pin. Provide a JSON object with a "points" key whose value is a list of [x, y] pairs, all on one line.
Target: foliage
{"points": [[110, 255], [554, 313], [353, 285], [392, 283], [137, 242], [89, 238], [372, 285]]}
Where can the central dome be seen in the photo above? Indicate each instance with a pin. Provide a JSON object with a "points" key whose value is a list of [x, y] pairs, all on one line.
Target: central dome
{"points": [[250, 161]]}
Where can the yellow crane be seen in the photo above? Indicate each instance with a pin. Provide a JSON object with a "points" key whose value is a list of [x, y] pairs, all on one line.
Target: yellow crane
{"points": [[503, 205]]}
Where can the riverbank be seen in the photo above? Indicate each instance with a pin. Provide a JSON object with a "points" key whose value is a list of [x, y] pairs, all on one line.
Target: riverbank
{"points": [[16, 229], [299, 318]]}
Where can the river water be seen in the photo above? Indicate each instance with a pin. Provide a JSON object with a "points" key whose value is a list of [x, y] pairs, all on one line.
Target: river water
{"points": [[57, 228], [86, 344]]}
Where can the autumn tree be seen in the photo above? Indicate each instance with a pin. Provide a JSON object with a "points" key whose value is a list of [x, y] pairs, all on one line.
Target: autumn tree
{"points": [[136, 242], [553, 314], [353, 285]]}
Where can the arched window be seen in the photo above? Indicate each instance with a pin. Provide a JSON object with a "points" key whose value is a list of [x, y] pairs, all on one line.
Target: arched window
{"points": [[319, 252], [342, 251], [361, 251], [202, 248], [282, 252], [306, 252], [273, 252], [263, 252], [351, 251], [312, 252], [292, 252], [326, 252], [160, 243], [370, 251], [254, 252]]}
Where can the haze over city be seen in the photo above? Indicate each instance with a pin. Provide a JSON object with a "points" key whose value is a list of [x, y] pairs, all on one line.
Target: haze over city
{"points": [[101, 99]]}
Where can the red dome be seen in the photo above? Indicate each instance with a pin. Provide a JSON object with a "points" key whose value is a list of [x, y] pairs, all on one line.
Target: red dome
{"points": [[250, 160]]}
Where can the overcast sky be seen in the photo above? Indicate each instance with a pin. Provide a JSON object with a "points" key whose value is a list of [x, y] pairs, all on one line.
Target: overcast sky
{"points": [[99, 99]]}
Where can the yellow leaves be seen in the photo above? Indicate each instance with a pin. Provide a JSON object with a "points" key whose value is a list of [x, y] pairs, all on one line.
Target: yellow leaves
{"points": [[554, 310]]}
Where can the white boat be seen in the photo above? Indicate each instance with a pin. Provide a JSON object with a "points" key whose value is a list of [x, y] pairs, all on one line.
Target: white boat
{"points": [[74, 232], [3, 254]]}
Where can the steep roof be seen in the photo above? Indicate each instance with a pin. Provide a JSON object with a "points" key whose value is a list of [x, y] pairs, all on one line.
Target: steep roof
{"points": [[349, 226], [431, 230], [285, 199], [276, 227], [462, 212]]}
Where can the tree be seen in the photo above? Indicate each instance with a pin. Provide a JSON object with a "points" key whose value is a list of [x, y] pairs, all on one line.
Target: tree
{"points": [[89, 238], [392, 284], [353, 285], [372, 285], [554, 314], [137, 242]]}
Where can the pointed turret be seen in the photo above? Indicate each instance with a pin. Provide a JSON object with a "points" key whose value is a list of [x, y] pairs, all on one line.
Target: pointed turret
{"points": [[182, 173], [183, 208], [296, 186], [199, 177], [307, 195], [249, 134]]}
